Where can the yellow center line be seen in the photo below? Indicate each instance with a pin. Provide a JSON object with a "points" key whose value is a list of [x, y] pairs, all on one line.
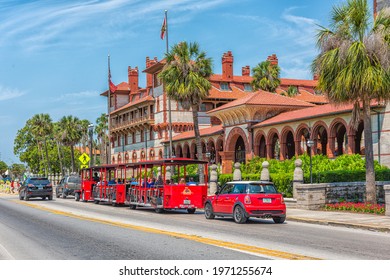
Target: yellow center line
{"points": [[196, 238]]}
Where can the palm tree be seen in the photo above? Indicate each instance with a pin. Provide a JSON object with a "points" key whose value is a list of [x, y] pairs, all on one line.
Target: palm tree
{"points": [[266, 76], [42, 127], [354, 68], [185, 77], [57, 139], [71, 131], [292, 91], [101, 131]]}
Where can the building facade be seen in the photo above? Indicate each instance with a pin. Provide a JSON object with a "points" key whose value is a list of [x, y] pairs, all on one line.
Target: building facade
{"points": [[236, 123]]}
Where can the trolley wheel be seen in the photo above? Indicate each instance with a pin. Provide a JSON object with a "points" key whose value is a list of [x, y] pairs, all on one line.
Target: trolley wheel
{"points": [[96, 201], [191, 210], [132, 206], [77, 196], [83, 197], [159, 210]]}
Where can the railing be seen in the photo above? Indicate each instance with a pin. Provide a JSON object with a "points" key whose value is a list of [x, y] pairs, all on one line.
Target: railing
{"points": [[133, 121]]}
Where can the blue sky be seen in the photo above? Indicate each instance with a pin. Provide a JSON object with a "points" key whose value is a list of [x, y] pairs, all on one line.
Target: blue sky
{"points": [[53, 54]]}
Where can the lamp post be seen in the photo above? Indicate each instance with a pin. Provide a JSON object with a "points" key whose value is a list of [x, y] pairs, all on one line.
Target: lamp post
{"points": [[310, 144], [90, 130]]}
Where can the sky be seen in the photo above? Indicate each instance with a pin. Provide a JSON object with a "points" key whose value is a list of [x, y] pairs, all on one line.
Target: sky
{"points": [[53, 53]]}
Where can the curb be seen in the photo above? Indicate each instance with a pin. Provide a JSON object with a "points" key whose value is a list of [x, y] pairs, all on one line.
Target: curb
{"points": [[339, 224]]}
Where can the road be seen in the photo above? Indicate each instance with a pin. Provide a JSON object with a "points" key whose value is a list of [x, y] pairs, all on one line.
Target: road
{"points": [[66, 229]]}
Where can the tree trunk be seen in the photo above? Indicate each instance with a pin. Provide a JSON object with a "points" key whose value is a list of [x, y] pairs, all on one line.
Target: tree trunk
{"points": [[370, 172], [198, 142], [60, 159], [47, 156], [72, 158]]}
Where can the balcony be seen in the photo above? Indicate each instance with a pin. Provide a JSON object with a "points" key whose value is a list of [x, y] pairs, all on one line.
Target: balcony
{"points": [[148, 119]]}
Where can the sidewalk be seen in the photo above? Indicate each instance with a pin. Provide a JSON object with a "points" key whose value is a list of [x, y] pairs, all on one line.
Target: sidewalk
{"points": [[345, 219]]}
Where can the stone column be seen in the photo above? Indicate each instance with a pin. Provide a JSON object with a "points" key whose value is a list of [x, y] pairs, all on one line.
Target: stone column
{"points": [[265, 172], [237, 172], [213, 180], [298, 176], [386, 188]]}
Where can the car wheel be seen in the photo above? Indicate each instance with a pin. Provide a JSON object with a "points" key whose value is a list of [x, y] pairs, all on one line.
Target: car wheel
{"points": [[43, 197], [77, 196], [239, 215], [208, 211], [20, 196], [132, 206], [279, 220], [50, 197], [57, 193], [191, 210], [26, 198], [63, 195], [159, 210]]}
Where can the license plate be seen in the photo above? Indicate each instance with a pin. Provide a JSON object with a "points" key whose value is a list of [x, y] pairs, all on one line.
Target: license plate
{"points": [[266, 200], [187, 201], [40, 188]]}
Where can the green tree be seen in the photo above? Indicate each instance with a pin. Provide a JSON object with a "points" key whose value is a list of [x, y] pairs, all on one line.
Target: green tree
{"points": [[292, 91], [354, 68], [101, 129], [3, 167], [18, 169], [266, 76], [42, 128], [71, 131], [185, 77]]}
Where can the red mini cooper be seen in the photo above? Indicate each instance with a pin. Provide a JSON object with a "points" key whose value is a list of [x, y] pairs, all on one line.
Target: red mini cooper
{"points": [[244, 199]]}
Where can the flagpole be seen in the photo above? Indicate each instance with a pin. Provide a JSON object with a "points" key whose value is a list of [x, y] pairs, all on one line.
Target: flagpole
{"points": [[169, 99], [108, 113]]}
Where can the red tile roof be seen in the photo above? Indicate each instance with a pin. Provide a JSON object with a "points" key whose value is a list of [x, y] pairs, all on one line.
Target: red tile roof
{"points": [[264, 98], [314, 112], [203, 132], [128, 105], [234, 93], [307, 96], [237, 79], [298, 83]]}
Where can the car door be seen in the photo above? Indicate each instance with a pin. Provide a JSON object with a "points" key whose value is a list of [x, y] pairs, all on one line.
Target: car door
{"points": [[223, 199]]}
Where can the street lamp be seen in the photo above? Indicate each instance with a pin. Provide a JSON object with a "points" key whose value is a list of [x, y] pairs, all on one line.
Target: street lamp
{"points": [[90, 130], [310, 143]]}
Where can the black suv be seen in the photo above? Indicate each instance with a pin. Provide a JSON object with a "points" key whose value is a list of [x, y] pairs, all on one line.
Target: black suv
{"points": [[68, 185], [36, 187]]}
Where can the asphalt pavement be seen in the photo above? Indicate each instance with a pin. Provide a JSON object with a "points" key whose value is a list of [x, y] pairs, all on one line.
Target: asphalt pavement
{"points": [[333, 218]]}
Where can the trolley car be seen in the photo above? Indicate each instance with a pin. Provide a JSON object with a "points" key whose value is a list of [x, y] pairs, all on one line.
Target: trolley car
{"points": [[154, 183]]}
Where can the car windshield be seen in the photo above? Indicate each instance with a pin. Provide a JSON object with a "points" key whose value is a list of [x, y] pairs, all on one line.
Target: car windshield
{"points": [[39, 181], [258, 188]]}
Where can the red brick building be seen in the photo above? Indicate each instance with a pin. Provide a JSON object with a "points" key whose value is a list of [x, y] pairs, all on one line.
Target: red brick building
{"points": [[236, 122]]}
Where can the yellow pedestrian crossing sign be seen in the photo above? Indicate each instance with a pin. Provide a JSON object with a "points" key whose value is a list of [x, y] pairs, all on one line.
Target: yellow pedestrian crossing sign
{"points": [[84, 158]]}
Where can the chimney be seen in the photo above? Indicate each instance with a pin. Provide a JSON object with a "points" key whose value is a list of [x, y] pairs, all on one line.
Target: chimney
{"points": [[246, 71], [133, 79], [149, 77], [273, 59], [227, 66]]}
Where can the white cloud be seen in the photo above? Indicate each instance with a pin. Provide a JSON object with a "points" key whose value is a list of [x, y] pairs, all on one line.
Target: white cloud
{"points": [[75, 97], [9, 93], [39, 25]]}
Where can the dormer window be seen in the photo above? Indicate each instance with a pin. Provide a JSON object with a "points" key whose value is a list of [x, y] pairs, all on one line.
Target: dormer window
{"points": [[248, 87], [225, 86]]}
